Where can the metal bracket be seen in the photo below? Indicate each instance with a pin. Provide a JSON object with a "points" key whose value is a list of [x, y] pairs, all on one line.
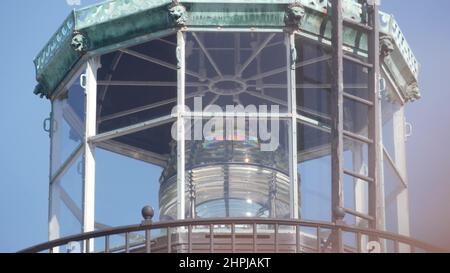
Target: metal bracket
{"points": [[408, 130], [47, 125], [83, 81]]}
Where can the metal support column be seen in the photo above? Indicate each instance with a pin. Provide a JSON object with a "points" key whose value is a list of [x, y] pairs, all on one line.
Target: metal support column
{"points": [[291, 61], [337, 123], [89, 151], [402, 198], [181, 177], [54, 192]]}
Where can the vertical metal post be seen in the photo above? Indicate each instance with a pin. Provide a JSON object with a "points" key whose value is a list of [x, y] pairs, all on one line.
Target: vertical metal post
{"points": [[374, 122], [53, 219], [169, 240], [54, 196], [181, 210], [337, 116], [402, 198], [255, 238], [380, 187], [211, 238], [148, 240], [292, 97], [89, 150]]}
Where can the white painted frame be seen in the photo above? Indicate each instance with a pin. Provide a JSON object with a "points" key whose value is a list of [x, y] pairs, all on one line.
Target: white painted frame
{"points": [[88, 205]]}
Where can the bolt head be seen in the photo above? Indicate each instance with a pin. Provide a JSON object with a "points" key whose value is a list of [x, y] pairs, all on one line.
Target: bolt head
{"points": [[148, 213]]}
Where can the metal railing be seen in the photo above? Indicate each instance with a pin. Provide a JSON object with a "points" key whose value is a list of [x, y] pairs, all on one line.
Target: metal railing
{"points": [[238, 235]]}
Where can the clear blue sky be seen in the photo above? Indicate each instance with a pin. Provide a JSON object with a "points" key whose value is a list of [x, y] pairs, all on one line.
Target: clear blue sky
{"points": [[25, 27]]}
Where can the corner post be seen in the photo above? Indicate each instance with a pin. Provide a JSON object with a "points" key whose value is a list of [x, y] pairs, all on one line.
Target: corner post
{"points": [[291, 62], [181, 173], [89, 150]]}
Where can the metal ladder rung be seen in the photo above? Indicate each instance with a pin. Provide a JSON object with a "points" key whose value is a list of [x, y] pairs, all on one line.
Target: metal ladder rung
{"points": [[359, 214], [359, 176], [357, 61], [360, 26]]}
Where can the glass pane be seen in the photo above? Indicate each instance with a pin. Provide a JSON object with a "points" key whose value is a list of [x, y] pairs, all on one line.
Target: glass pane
{"points": [[69, 224], [68, 122], [236, 69], [313, 80], [356, 156], [390, 106], [356, 117], [235, 174], [314, 171], [392, 187], [137, 162], [69, 190], [356, 78], [137, 84], [125, 182], [356, 196]]}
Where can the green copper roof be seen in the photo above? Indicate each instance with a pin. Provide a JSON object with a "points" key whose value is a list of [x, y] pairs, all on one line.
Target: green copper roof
{"points": [[117, 23]]}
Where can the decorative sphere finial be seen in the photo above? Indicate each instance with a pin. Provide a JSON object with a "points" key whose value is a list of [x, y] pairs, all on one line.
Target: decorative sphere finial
{"points": [[148, 212], [339, 213]]}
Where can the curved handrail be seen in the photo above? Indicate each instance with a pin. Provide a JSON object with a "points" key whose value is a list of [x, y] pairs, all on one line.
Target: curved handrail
{"points": [[148, 226]]}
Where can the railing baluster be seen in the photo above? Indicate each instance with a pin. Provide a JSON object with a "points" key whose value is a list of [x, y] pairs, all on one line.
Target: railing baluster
{"points": [[190, 239], [318, 246], [148, 241], [233, 237], [324, 245], [127, 243], [358, 242], [276, 237], [107, 244], [169, 241], [211, 238], [396, 246], [254, 238]]}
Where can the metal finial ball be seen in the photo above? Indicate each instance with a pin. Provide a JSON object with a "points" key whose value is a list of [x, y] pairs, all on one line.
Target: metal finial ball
{"points": [[339, 212], [148, 213]]}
